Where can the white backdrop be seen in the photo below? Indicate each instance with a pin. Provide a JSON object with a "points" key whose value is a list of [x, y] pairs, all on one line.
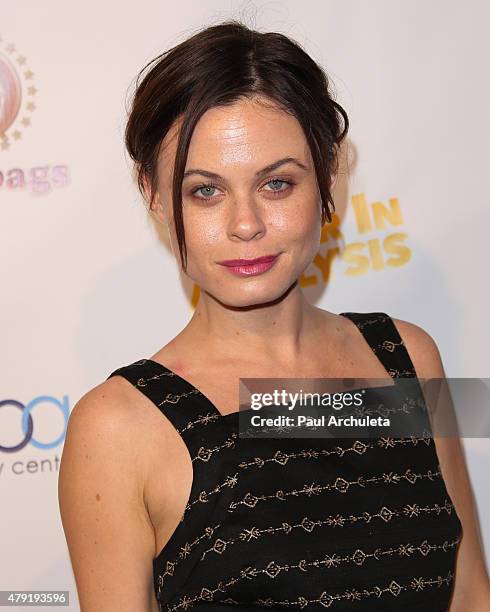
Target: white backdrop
{"points": [[90, 285]]}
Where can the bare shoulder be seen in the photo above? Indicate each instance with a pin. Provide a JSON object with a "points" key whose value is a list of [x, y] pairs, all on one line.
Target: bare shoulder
{"points": [[101, 500], [422, 348], [108, 421], [103, 402]]}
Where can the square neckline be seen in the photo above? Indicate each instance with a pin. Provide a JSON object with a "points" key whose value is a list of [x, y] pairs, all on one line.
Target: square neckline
{"points": [[213, 406]]}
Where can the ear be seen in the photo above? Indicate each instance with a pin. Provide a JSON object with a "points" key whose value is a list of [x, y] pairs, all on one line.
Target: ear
{"points": [[333, 181], [156, 210]]}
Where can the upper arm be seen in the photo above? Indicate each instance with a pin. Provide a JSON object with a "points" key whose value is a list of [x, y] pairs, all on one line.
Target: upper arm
{"points": [[100, 489], [471, 580]]}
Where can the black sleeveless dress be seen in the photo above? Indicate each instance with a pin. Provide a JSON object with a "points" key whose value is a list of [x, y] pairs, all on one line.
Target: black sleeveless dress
{"points": [[312, 523]]}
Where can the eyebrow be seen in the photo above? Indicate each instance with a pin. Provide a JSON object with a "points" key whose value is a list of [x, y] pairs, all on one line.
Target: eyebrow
{"points": [[258, 174]]}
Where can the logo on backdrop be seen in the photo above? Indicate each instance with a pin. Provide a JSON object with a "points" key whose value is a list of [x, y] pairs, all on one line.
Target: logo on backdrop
{"points": [[40, 424], [26, 429], [17, 103], [16, 83], [379, 243]]}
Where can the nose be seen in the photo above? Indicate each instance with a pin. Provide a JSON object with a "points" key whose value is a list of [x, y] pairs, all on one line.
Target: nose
{"points": [[246, 220]]}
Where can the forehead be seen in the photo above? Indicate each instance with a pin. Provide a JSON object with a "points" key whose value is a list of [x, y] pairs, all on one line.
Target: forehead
{"points": [[244, 135]]}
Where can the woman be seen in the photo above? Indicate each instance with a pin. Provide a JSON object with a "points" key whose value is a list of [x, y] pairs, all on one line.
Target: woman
{"points": [[235, 137]]}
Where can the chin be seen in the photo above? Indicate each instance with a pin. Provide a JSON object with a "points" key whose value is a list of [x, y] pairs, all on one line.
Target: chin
{"points": [[253, 295]]}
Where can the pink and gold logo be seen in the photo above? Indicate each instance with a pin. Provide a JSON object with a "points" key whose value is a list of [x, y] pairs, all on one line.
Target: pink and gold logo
{"points": [[17, 91], [17, 103]]}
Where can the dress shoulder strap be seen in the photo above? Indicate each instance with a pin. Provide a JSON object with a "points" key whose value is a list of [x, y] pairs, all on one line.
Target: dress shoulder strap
{"points": [[382, 336], [178, 400]]}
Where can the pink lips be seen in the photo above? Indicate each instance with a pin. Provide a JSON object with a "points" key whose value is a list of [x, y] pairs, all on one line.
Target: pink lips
{"points": [[250, 267]]}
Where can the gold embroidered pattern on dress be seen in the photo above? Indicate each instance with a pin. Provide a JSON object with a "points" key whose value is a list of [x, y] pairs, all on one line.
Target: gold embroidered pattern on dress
{"points": [[184, 552], [205, 454], [389, 345], [273, 569], [358, 447], [338, 520], [340, 484], [203, 496]]}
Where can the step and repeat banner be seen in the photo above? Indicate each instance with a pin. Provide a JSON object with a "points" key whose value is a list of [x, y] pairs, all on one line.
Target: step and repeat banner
{"points": [[89, 281]]}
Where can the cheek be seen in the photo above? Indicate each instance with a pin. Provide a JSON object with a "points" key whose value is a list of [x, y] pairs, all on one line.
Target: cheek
{"points": [[204, 236], [205, 231], [297, 224]]}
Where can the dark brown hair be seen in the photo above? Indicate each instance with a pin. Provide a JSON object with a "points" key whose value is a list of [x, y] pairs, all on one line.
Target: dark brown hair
{"points": [[216, 67]]}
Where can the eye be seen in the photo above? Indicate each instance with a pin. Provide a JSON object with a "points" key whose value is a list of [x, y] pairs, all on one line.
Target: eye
{"points": [[207, 188], [276, 181]]}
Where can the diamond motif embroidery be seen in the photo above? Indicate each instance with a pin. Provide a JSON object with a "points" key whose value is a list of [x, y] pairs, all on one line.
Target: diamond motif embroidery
{"points": [[358, 557], [385, 514], [272, 569], [395, 588], [219, 546]]}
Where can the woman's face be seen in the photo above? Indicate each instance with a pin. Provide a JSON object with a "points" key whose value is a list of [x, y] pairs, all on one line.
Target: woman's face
{"points": [[245, 211]]}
